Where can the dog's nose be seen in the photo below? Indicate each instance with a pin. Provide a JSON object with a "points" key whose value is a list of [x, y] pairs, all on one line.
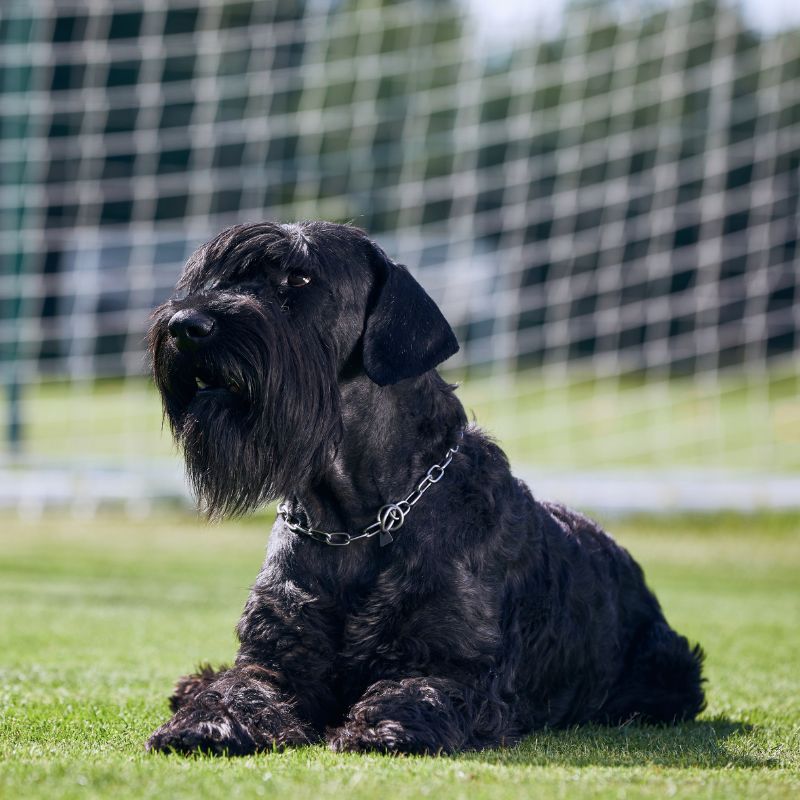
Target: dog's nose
{"points": [[190, 328]]}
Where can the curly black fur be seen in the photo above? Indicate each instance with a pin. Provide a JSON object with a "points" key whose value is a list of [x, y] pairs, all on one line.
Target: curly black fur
{"points": [[490, 615]]}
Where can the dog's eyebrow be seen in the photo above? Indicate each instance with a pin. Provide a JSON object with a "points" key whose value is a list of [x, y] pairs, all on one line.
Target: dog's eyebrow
{"points": [[246, 249], [206, 273], [299, 241]]}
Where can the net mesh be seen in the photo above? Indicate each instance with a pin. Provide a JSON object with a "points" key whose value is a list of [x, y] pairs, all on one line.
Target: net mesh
{"points": [[605, 205]]}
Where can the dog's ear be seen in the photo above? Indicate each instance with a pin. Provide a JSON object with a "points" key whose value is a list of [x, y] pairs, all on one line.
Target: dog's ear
{"points": [[405, 333]]}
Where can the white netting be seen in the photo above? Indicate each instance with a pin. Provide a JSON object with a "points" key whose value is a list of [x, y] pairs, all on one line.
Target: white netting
{"points": [[605, 205]]}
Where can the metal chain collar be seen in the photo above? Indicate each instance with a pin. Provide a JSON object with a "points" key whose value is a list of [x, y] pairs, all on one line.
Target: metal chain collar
{"points": [[390, 517]]}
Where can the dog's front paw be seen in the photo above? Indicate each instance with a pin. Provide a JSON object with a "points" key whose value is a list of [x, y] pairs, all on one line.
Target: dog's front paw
{"points": [[388, 736], [189, 686], [187, 734]]}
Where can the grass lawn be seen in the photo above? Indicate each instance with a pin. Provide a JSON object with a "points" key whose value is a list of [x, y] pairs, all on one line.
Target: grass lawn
{"points": [[98, 617]]}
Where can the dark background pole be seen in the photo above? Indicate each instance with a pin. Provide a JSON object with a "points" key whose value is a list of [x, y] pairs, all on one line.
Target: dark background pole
{"points": [[15, 177]]}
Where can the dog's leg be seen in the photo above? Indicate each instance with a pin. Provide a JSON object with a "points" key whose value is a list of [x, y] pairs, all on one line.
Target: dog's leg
{"points": [[237, 711], [190, 685], [423, 715]]}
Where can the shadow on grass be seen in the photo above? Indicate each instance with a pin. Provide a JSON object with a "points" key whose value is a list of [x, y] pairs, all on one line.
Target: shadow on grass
{"points": [[719, 742]]}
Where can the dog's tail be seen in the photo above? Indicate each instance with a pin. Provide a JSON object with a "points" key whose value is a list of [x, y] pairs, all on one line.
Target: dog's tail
{"points": [[662, 681]]}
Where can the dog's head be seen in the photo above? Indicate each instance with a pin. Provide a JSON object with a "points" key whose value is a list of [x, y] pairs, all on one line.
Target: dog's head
{"points": [[249, 355]]}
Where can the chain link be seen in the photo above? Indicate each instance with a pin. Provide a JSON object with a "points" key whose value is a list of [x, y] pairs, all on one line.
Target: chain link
{"points": [[391, 517]]}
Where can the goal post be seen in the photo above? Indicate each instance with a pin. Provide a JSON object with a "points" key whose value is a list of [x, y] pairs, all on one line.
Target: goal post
{"points": [[604, 202]]}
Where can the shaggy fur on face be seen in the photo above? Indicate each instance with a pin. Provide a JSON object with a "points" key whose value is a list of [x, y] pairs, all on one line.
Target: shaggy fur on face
{"points": [[298, 362]]}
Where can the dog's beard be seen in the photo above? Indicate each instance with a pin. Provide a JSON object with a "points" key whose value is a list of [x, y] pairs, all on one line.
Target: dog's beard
{"points": [[269, 420]]}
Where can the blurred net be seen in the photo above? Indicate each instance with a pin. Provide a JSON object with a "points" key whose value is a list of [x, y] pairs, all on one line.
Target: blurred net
{"points": [[604, 203]]}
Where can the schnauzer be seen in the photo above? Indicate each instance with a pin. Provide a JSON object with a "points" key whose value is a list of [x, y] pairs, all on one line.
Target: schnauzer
{"points": [[415, 597]]}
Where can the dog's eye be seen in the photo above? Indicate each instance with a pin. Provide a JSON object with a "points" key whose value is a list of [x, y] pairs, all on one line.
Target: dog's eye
{"points": [[297, 279]]}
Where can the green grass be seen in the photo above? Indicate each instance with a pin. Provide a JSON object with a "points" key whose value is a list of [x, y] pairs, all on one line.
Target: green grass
{"points": [[552, 420], [98, 617]]}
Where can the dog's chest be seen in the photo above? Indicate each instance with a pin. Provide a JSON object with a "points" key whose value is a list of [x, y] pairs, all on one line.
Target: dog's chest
{"points": [[402, 626]]}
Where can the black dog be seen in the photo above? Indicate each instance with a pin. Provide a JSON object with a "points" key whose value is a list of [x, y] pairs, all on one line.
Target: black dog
{"points": [[299, 364]]}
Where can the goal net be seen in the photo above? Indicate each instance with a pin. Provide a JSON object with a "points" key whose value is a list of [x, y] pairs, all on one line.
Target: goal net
{"points": [[603, 199]]}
